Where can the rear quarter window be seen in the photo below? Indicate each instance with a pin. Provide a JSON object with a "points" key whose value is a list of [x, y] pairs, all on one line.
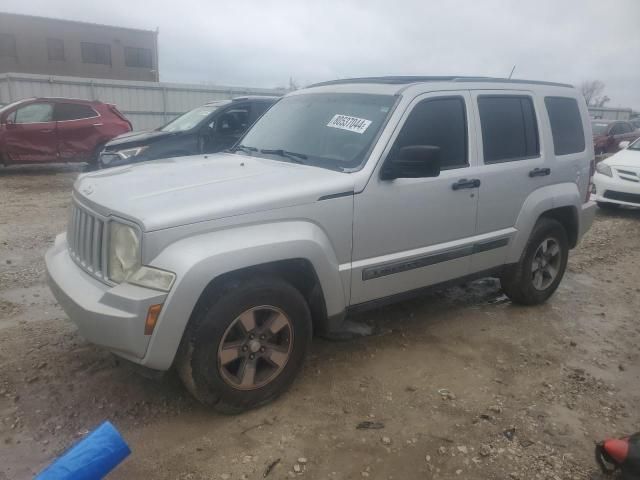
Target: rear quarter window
{"points": [[566, 125]]}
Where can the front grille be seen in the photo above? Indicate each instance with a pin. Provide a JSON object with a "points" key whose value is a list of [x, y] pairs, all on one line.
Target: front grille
{"points": [[86, 238], [622, 196]]}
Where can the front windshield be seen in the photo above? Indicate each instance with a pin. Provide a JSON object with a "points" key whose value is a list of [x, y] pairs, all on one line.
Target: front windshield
{"points": [[7, 107], [189, 120], [635, 145], [329, 130], [599, 128]]}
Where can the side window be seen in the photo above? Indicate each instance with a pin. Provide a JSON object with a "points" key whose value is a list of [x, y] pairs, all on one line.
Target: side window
{"points": [[34, 113], [439, 122], [234, 121], [99, 53], [73, 111], [566, 125], [616, 129], [626, 127], [509, 128]]}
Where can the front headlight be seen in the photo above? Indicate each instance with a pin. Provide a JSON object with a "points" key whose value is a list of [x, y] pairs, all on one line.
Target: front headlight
{"points": [[124, 252], [131, 152], [604, 169]]}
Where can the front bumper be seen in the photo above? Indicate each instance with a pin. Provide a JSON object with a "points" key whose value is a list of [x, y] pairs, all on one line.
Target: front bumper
{"points": [[111, 317], [628, 190]]}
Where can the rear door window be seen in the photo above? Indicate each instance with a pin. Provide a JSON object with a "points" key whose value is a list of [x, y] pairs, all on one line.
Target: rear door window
{"points": [[73, 111], [566, 125], [439, 122], [509, 128]]}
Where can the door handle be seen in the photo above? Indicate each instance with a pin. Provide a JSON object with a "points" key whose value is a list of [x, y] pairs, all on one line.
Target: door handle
{"points": [[540, 172], [97, 124], [464, 183]]}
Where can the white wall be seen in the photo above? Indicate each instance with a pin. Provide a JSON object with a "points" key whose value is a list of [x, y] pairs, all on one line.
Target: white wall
{"points": [[146, 104]]}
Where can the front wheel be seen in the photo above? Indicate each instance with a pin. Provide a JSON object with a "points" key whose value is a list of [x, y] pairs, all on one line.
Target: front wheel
{"points": [[246, 345], [541, 267]]}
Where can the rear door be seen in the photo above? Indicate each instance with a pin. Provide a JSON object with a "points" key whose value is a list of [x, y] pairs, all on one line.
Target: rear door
{"points": [[31, 134], [512, 166], [79, 131]]}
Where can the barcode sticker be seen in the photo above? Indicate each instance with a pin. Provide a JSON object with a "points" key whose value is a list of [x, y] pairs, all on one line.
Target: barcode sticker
{"points": [[352, 124]]}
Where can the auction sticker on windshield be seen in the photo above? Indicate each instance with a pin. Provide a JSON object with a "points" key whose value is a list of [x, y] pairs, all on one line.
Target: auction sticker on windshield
{"points": [[353, 124]]}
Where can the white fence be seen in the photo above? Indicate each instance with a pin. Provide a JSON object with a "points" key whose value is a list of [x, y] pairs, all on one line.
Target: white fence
{"points": [[146, 104]]}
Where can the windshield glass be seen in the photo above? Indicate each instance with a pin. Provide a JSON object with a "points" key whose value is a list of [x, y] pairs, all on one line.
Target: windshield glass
{"points": [[7, 107], [599, 128], [190, 119], [635, 145], [329, 130]]}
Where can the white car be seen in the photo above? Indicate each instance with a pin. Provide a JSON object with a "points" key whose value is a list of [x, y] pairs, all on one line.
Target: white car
{"points": [[617, 179]]}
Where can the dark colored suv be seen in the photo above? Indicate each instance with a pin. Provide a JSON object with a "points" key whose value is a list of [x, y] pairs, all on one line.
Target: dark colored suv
{"points": [[44, 130], [210, 128]]}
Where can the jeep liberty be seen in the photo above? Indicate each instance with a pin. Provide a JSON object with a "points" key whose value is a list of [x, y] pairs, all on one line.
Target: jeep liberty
{"points": [[343, 196]]}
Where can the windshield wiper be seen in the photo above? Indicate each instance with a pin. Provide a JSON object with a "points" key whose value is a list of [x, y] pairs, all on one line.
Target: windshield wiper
{"points": [[296, 157], [244, 148]]}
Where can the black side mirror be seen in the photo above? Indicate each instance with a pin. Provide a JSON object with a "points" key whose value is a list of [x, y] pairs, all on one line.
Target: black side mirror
{"points": [[415, 161]]}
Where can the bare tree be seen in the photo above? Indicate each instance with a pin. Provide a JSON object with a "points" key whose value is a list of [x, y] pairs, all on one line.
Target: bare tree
{"points": [[592, 91], [600, 101]]}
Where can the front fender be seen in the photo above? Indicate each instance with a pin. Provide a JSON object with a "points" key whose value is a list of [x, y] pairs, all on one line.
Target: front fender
{"points": [[540, 201], [198, 260]]}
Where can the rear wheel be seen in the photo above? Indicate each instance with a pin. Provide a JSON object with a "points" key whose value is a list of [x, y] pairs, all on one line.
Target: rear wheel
{"points": [[245, 347], [541, 267]]}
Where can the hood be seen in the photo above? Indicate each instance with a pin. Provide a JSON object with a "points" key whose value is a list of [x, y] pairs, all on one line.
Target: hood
{"points": [[624, 158], [135, 139], [179, 191]]}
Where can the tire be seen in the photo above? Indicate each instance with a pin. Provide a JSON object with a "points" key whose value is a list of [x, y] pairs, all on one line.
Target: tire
{"points": [[94, 161], [219, 323], [608, 206], [520, 282]]}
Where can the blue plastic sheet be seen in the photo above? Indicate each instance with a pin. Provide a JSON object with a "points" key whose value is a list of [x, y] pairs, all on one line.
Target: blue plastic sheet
{"points": [[91, 458]]}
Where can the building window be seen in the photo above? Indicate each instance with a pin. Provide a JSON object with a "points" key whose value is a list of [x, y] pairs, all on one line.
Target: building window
{"points": [[55, 48], [138, 57], [96, 53], [8, 45]]}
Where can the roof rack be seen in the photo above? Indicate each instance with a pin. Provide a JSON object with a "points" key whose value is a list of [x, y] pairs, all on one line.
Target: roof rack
{"points": [[403, 80]]}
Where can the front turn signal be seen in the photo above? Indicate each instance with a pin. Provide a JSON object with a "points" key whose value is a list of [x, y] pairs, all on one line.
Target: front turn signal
{"points": [[152, 318]]}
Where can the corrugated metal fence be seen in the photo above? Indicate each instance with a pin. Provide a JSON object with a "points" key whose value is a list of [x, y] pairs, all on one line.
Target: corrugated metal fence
{"points": [[146, 104]]}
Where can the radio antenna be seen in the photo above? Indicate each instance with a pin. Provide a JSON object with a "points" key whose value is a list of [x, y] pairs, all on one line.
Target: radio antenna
{"points": [[512, 70]]}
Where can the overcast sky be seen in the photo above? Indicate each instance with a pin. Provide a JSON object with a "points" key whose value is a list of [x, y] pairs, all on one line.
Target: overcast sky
{"points": [[262, 43]]}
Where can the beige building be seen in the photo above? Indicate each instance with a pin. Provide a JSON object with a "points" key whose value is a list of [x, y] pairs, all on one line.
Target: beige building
{"points": [[62, 47]]}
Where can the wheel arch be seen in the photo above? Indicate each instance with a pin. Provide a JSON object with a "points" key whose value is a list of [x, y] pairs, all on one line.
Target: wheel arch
{"points": [[297, 251], [560, 202]]}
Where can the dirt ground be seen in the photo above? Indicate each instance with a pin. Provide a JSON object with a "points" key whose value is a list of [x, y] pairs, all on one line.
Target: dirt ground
{"points": [[463, 383]]}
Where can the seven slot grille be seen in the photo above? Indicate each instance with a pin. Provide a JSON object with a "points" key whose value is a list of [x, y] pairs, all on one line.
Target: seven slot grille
{"points": [[85, 237]]}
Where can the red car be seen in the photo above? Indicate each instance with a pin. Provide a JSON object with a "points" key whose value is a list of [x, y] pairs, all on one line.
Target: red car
{"points": [[607, 135], [40, 130]]}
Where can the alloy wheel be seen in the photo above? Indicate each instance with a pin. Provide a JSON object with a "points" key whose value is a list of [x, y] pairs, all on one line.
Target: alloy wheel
{"points": [[546, 264], [255, 348]]}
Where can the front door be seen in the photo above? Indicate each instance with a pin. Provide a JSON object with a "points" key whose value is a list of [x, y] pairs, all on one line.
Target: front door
{"points": [[31, 134], [415, 232]]}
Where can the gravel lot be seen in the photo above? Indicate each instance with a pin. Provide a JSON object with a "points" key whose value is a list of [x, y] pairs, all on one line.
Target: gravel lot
{"points": [[462, 383]]}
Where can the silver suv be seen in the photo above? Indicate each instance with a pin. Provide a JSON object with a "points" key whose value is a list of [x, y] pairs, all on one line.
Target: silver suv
{"points": [[343, 196]]}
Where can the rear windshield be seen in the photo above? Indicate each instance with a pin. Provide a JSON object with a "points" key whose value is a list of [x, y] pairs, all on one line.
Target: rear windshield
{"points": [[599, 128]]}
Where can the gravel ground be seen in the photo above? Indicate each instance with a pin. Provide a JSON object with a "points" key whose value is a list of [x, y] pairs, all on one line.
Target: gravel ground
{"points": [[458, 384]]}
